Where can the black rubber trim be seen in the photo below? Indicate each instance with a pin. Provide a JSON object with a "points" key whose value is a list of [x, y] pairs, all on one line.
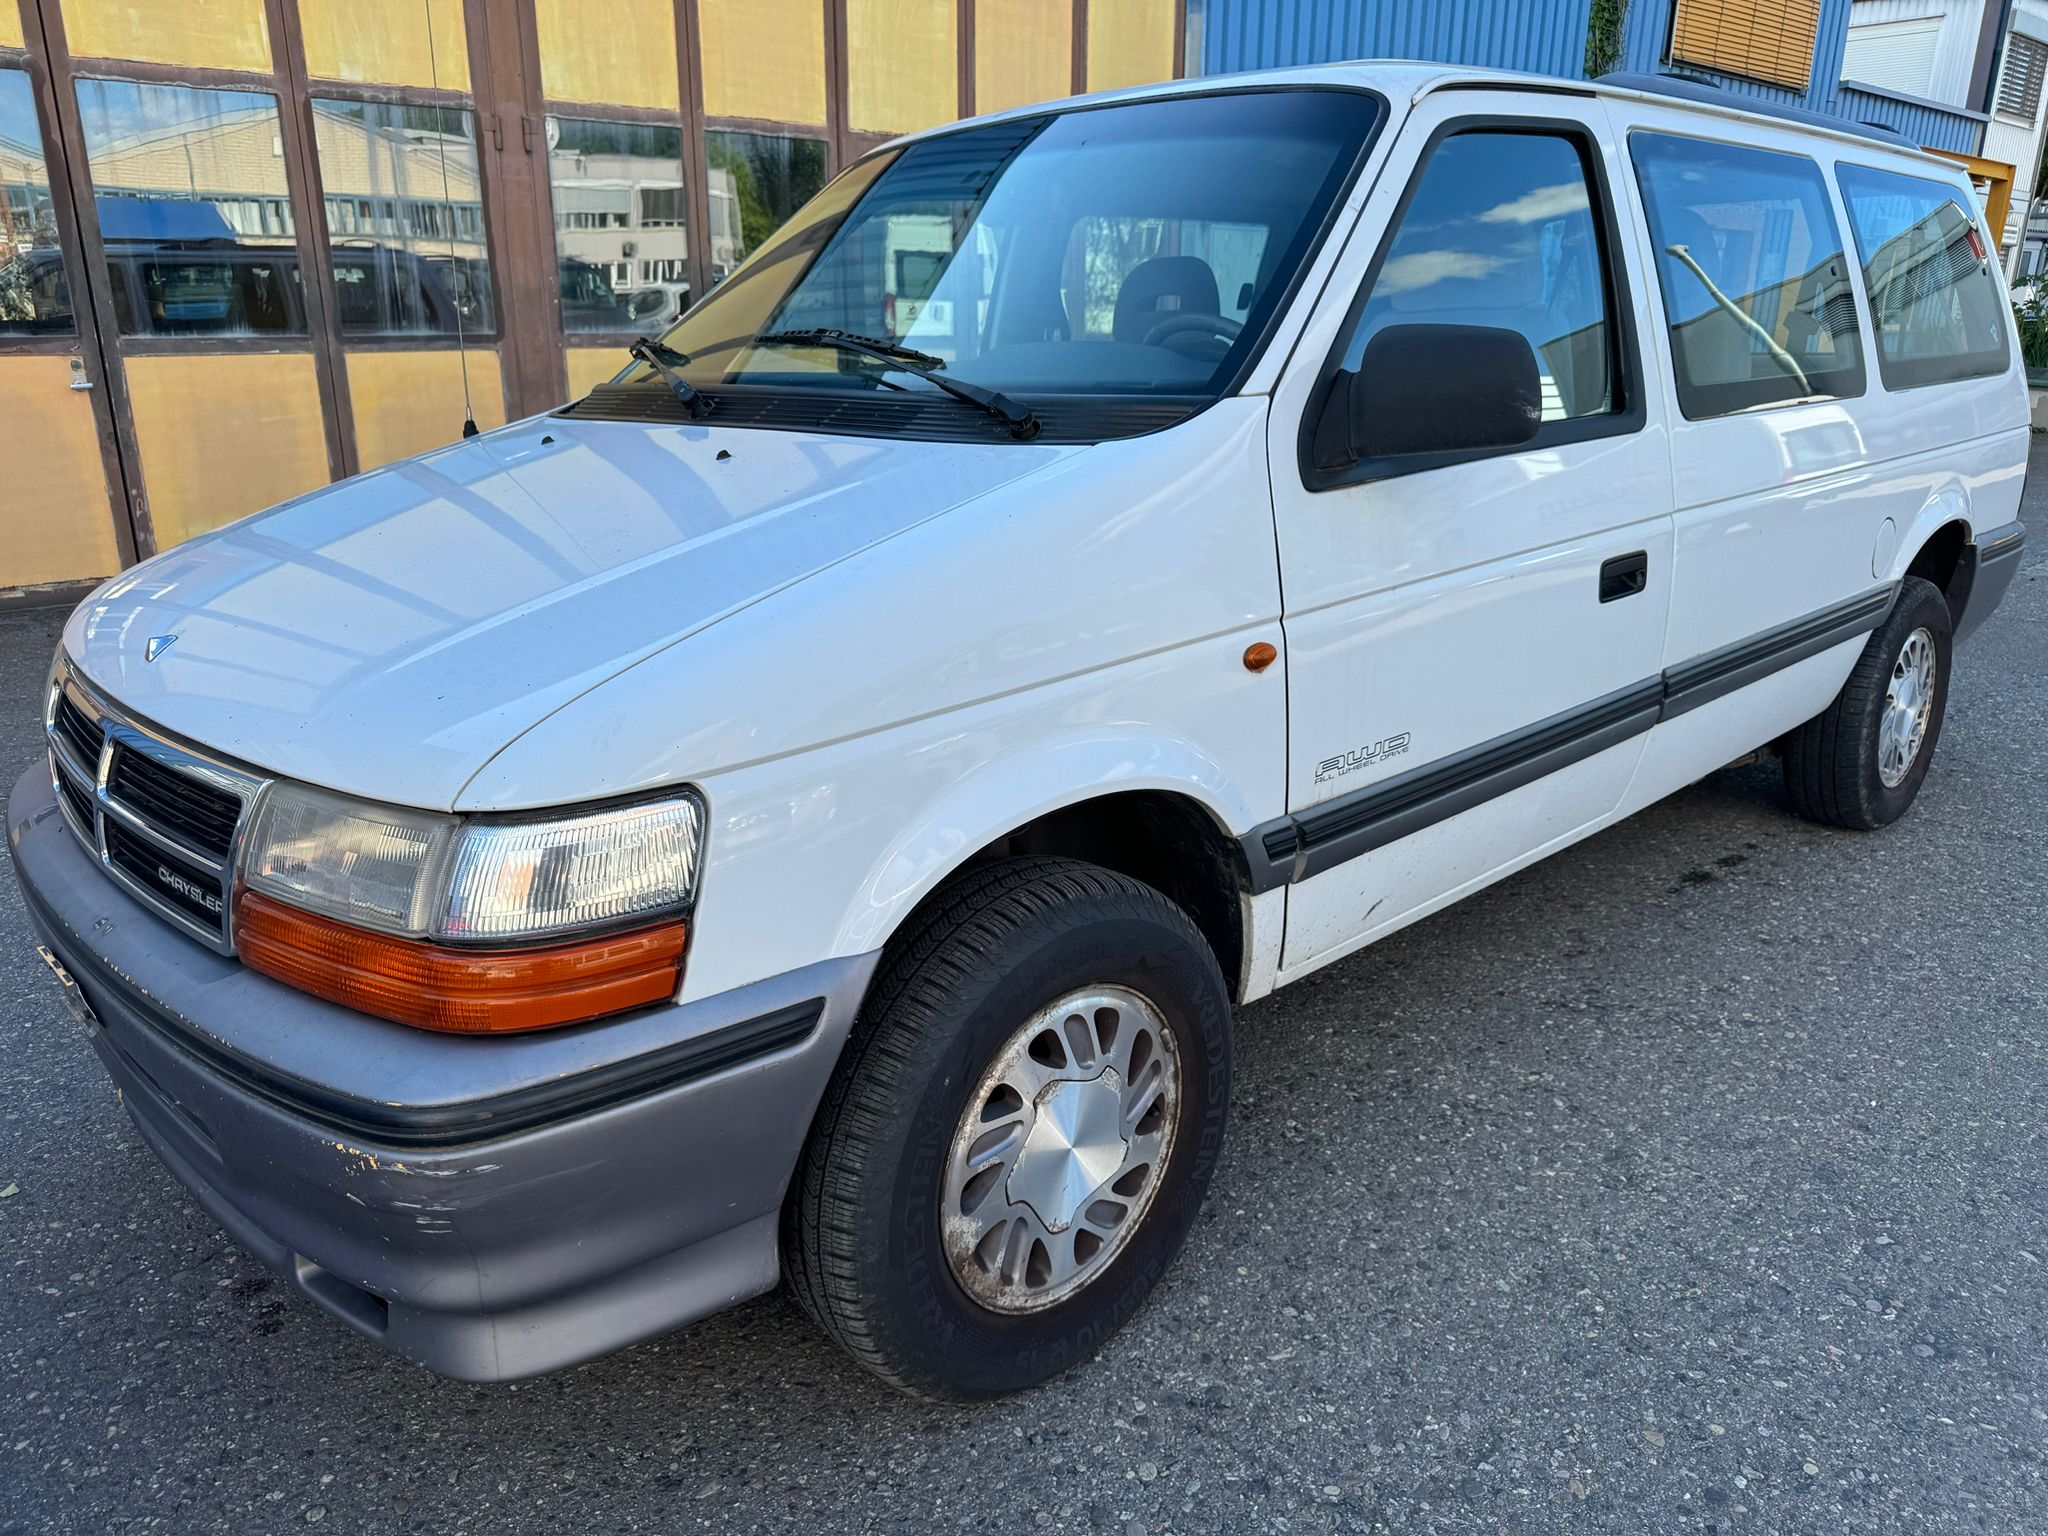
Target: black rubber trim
{"points": [[1709, 677], [1297, 846], [439, 1126]]}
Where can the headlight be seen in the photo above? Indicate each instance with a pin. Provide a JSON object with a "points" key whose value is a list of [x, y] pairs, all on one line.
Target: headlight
{"points": [[473, 924]]}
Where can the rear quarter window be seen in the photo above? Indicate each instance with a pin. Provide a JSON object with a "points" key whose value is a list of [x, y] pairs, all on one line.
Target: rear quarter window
{"points": [[1753, 274], [1927, 270]]}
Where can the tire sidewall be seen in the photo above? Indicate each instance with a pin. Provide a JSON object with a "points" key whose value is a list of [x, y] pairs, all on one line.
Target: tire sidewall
{"points": [[1920, 606], [967, 1349]]}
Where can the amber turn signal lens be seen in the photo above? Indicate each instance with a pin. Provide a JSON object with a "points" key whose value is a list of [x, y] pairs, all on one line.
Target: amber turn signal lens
{"points": [[462, 991], [1259, 656]]}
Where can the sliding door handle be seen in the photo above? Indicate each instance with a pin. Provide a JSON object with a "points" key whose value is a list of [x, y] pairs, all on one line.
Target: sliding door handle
{"points": [[1624, 575]]}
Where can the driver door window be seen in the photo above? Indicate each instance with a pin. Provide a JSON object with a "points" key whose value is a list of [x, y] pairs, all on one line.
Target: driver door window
{"points": [[1500, 230]]}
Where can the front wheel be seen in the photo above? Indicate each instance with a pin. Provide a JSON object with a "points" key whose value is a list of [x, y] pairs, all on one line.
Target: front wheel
{"points": [[1020, 1136], [1860, 762]]}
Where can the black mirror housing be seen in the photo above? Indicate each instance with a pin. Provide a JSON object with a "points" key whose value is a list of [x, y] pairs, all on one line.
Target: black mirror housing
{"points": [[1429, 389]]}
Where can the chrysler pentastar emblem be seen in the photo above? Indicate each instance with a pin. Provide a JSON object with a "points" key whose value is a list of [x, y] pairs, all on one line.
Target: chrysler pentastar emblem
{"points": [[158, 644]]}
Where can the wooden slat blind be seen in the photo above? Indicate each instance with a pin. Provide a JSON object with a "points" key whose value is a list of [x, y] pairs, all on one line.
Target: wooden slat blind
{"points": [[1769, 40]]}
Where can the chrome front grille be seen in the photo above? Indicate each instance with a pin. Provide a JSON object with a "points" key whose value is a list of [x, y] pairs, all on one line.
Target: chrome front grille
{"points": [[163, 819]]}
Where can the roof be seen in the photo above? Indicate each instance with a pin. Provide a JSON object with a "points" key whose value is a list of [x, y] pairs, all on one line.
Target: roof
{"points": [[1411, 79]]}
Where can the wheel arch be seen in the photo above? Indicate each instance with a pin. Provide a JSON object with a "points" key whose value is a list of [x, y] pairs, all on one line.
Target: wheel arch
{"points": [[1162, 815]]}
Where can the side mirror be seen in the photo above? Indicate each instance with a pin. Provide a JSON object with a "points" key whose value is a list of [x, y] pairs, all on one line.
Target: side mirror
{"points": [[1436, 389]]}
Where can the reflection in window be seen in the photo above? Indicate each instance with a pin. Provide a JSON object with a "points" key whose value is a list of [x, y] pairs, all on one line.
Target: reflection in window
{"points": [[1501, 232], [1756, 288], [757, 181], [35, 299], [405, 219], [1927, 268], [622, 240], [194, 209]]}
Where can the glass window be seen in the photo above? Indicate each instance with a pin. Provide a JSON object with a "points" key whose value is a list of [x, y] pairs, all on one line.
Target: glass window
{"points": [[1927, 270], [620, 214], [405, 219], [194, 209], [35, 298], [394, 42], [1500, 231], [1130, 249], [1130, 42], [757, 181], [902, 64], [1756, 286]]}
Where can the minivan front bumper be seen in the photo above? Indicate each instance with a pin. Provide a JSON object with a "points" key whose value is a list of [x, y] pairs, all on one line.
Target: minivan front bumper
{"points": [[487, 1207]]}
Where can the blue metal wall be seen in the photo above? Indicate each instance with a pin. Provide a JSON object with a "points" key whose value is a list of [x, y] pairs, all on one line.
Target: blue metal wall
{"points": [[1545, 36]]}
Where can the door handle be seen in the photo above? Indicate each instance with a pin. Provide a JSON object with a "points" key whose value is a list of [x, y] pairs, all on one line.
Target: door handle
{"points": [[1624, 575], [78, 378]]}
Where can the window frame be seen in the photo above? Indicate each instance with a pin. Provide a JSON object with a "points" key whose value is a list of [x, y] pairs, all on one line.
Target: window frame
{"points": [[1830, 196], [1625, 348], [1904, 366]]}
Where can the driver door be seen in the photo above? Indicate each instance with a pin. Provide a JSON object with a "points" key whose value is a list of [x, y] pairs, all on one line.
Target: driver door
{"points": [[1473, 637]]}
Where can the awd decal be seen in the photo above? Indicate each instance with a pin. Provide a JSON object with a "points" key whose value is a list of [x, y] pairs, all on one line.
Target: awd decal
{"points": [[1361, 757]]}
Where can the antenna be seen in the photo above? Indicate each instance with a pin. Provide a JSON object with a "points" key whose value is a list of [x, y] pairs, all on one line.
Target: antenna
{"points": [[448, 207]]}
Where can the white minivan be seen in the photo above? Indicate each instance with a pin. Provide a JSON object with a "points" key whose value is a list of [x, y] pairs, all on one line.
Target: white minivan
{"points": [[810, 806]]}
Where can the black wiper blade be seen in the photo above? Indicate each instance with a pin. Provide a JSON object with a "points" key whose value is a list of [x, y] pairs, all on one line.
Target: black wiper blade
{"points": [[826, 336], [665, 361], [1023, 425]]}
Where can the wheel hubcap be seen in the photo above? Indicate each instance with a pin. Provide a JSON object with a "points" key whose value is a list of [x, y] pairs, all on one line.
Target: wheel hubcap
{"points": [[1908, 702], [1060, 1149]]}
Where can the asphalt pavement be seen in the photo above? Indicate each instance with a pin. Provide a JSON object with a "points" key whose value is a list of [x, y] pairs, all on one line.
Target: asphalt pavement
{"points": [[1694, 1180]]}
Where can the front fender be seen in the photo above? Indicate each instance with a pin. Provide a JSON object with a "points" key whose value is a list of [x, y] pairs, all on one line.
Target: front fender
{"points": [[824, 853], [1012, 791]]}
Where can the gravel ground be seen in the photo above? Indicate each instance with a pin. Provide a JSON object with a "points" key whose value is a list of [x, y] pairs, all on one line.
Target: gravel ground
{"points": [[1691, 1181]]}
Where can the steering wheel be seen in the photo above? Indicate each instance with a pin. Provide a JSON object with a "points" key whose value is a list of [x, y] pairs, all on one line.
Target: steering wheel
{"points": [[1217, 331]]}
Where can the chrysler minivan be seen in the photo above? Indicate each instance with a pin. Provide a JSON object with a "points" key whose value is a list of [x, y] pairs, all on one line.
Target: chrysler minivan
{"points": [[810, 807]]}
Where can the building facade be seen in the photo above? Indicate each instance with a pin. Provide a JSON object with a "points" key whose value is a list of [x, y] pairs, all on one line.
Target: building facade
{"points": [[250, 246], [1788, 52]]}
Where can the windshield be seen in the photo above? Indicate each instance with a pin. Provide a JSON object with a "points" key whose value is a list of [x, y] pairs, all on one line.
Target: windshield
{"points": [[1135, 251]]}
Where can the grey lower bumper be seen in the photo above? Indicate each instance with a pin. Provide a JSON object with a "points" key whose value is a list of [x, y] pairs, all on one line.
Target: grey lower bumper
{"points": [[1994, 561], [490, 1208]]}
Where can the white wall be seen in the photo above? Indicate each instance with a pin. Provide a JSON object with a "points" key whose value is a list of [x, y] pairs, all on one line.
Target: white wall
{"points": [[1917, 47]]}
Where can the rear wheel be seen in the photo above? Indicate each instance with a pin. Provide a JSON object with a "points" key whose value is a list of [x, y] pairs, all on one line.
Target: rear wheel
{"points": [[1861, 761], [1020, 1136]]}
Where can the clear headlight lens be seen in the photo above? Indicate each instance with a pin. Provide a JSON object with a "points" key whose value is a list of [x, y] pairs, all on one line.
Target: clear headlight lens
{"points": [[372, 866], [530, 878], [419, 874]]}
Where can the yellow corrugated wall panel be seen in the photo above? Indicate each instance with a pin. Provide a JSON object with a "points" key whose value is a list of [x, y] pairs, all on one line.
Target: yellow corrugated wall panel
{"points": [[386, 42], [10, 28], [225, 435], [903, 64], [1023, 53], [56, 523], [1130, 42], [763, 58], [214, 34], [623, 51], [409, 402], [592, 366], [1770, 40]]}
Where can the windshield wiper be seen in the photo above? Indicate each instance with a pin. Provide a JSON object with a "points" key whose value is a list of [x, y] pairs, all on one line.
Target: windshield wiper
{"points": [[665, 360], [1023, 425]]}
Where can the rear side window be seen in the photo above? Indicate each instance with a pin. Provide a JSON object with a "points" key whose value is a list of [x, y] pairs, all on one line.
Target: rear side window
{"points": [[1755, 282], [1928, 272]]}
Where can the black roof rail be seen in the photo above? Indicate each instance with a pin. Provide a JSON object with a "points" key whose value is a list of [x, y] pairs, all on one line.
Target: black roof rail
{"points": [[1719, 96]]}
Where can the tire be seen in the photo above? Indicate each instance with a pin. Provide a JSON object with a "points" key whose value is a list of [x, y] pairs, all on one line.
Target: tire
{"points": [[864, 1246], [1836, 765]]}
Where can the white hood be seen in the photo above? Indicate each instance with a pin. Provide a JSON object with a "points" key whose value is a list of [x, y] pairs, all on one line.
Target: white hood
{"points": [[385, 636]]}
